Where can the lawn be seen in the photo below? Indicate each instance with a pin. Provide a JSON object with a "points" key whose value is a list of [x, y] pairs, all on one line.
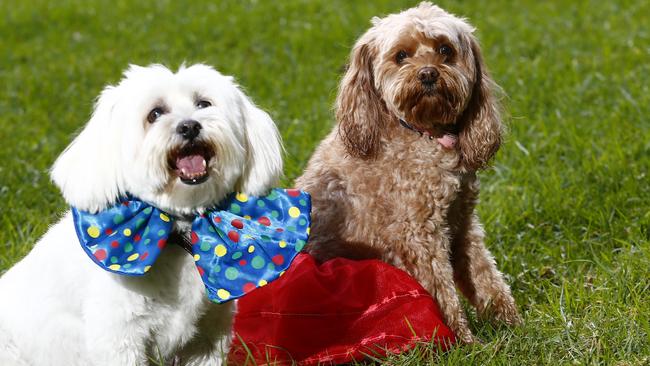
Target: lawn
{"points": [[566, 205]]}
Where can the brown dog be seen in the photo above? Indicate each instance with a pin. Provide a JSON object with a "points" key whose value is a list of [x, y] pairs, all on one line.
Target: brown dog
{"points": [[397, 179]]}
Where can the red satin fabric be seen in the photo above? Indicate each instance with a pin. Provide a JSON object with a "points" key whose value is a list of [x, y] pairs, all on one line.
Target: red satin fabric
{"points": [[334, 313]]}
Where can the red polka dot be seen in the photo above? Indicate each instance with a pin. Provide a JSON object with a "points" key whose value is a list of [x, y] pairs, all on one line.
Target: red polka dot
{"points": [[234, 236], [115, 244], [279, 229], [201, 270], [217, 219], [278, 259], [264, 221], [293, 192], [125, 203], [237, 223], [242, 262], [144, 256], [137, 238], [195, 238], [162, 243], [108, 231], [248, 287], [100, 254]]}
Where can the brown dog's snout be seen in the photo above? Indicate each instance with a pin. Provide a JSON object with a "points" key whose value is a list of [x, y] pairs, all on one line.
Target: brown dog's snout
{"points": [[428, 75]]}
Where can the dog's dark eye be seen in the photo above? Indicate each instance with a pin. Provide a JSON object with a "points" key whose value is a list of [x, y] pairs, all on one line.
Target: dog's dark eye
{"points": [[401, 55], [203, 104], [155, 114], [445, 50]]}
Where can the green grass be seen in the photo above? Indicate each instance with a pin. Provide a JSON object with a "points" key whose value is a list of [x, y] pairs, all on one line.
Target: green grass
{"points": [[566, 207]]}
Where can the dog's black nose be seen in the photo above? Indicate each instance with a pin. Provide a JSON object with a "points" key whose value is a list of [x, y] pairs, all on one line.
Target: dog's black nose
{"points": [[188, 129], [428, 75]]}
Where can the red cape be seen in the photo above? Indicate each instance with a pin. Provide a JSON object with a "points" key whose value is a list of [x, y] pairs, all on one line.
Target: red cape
{"points": [[333, 313]]}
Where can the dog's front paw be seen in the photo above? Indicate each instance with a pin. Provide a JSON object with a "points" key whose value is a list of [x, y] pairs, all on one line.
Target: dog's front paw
{"points": [[503, 309]]}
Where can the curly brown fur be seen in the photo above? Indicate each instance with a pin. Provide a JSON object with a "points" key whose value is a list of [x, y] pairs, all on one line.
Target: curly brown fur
{"points": [[381, 190]]}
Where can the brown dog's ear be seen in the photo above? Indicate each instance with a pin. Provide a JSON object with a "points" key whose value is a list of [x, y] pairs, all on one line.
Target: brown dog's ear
{"points": [[360, 111], [480, 125]]}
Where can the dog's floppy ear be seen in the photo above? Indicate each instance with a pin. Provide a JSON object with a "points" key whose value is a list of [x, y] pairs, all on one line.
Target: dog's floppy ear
{"points": [[264, 151], [360, 111], [480, 125], [87, 170]]}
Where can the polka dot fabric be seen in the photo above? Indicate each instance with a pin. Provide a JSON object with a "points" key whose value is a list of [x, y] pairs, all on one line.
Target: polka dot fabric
{"points": [[256, 240], [243, 244]]}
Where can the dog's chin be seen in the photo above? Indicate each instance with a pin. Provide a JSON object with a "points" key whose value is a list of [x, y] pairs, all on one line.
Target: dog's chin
{"points": [[190, 162], [429, 108]]}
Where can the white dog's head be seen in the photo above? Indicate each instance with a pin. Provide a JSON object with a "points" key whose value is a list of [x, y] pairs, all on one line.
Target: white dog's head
{"points": [[180, 141]]}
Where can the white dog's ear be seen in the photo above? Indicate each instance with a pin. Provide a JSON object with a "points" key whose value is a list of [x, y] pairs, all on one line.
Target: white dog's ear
{"points": [[87, 170], [264, 151]]}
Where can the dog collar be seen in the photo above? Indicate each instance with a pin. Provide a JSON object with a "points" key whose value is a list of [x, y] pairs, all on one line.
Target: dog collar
{"points": [[448, 140], [243, 243]]}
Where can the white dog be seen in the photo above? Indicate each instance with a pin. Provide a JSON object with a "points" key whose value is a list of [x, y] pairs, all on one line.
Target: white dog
{"points": [[180, 141]]}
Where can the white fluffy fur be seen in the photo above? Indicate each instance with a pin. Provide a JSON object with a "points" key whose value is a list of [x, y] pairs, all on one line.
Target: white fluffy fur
{"points": [[59, 308]]}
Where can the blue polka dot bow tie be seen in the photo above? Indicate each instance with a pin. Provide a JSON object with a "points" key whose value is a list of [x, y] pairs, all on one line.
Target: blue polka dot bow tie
{"points": [[242, 244]]}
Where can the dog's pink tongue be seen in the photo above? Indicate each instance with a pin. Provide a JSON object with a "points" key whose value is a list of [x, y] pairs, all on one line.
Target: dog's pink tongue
{"points": [[448, 141], [191, 165]]}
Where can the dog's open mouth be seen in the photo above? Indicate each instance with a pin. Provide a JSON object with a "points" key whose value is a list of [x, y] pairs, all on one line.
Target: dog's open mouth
{"points": [[191, 163]]}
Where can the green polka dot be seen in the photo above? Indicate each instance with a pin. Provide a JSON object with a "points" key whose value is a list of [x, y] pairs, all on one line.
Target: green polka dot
{"points": [[126, 266], [147, 210], [147, 241], [258, 262], [275, 214], [302, 222], [231, 273], [113, 259], [270, 266], [291, 228], [273, 195], [211, 280], [234, 208], [299, 245], [205, 246], [139, 223], [237, 255], [211, 229], [118, 219], [146, 231], [265, 238], [161, 232], [302, 202], [216, 268], [260, 203], [128, 247]]}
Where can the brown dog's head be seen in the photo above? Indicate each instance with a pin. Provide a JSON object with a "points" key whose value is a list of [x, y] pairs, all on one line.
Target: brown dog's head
{"points": [[424, 66]]}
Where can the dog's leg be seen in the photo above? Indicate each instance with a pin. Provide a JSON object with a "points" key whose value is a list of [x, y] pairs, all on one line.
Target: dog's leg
{"points": [[479, 279], [437, 277], [475, 270]]}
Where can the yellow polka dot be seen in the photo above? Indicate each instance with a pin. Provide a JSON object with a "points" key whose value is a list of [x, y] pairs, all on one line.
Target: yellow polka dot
{"points": [[114, 267], [241, 197], [223, 294], [281, 273], [247, 217], [220, 250], [147, 268], [251, 249], [282, 244], [164, 217], [294, 212], [196, 257], [308, 230], [262, 283], [133, 257], [93, 231], [127, 232]]}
